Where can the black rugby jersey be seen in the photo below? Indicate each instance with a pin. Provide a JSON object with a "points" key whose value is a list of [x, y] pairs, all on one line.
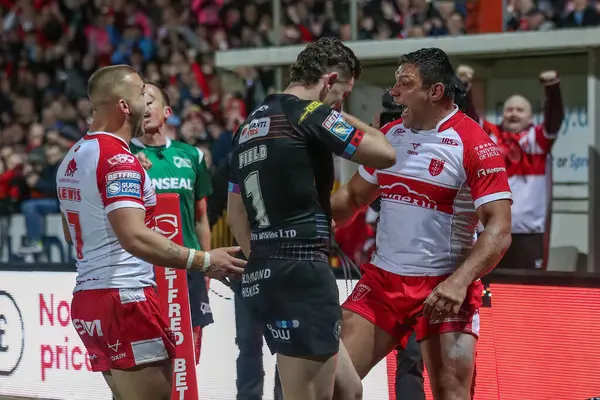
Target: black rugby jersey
{"points": [[282, 167]]}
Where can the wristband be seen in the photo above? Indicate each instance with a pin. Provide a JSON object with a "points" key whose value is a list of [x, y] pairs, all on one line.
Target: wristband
{"points": [[206, 264], [190, 259]]}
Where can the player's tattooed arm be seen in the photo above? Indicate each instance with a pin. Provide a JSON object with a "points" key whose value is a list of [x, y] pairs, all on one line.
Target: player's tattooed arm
{"points": [[174, 250], [140, 241]]}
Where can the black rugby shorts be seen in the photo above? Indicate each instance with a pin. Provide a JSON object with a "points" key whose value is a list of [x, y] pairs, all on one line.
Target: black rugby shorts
{"points": [[298, 304]]}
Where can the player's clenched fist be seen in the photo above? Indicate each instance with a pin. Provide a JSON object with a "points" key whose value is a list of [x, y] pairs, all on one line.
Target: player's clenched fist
{"points": [[465, 73], [223, 264], [548, 77]]}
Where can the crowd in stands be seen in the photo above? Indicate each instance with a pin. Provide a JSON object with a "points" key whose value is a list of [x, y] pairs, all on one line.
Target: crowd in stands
{"points": [[49, 48]]}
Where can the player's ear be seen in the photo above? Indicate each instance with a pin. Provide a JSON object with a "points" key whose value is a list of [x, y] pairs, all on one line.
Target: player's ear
{"points": [[168, 112], [124, 106], [436, 91], [333, 78]]}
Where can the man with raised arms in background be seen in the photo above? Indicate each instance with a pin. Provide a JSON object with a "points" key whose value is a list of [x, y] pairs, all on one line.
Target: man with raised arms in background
{"points": [[281, 178], [526, 147], [107, 203], [425, 274], [176, 167]]}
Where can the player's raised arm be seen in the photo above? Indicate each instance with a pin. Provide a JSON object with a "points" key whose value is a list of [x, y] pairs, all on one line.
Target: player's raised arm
{"points": [[374, 151], [346, 136], [360, 191]]}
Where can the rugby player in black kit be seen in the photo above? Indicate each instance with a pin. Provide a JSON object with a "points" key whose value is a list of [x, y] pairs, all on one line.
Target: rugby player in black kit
{"points": [[281, 177]]}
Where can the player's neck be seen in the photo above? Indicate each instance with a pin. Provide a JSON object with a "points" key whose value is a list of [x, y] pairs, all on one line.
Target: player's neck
{"points": [[154, 139], [105, 124], [441, 112], [302, 92]]}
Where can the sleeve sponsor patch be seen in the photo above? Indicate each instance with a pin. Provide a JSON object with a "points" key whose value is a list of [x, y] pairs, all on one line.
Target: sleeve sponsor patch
{"points": [[487, 171], [331, 119], [309, 109], [487, 150], [124, 187], [124, 175], [121, 159], [338, 126]]}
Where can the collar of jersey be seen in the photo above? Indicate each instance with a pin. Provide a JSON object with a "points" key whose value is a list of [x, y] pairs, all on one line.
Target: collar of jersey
{"points": [[94, 133], [139, 143], [442, 125]]}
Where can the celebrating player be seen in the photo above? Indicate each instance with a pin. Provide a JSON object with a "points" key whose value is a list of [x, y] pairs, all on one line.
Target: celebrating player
{"points": [[106, 201], [279, 211], [180, 168], [424, 275]]}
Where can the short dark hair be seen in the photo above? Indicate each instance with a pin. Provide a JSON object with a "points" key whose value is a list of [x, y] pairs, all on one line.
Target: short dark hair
{"points": [[163, 93], [435, 67], [324, 56], [106, 81]]}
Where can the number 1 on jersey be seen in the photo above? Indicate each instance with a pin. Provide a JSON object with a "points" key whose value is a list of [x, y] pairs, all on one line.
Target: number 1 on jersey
{"points": [[252, 185], [73, 220]]}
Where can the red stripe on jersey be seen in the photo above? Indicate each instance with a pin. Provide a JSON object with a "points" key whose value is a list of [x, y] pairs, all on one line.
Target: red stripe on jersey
{"points": [[386, 128], [416, 193]]}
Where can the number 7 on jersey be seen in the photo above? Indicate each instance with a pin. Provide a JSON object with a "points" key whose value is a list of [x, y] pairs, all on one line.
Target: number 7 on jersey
{"points": [[252, 186]]}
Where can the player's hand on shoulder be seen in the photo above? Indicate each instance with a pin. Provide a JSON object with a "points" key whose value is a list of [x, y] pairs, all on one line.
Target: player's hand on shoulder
{"points": [[143, 159], [223, 264]]}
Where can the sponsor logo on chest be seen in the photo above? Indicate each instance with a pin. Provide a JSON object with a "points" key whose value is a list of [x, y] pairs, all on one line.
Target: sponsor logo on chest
{"points": [[181, 162], [255, 129], [172, 183]]}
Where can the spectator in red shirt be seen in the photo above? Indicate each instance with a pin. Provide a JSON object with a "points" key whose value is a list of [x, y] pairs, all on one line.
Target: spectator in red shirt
{"points": [[526, 148]]}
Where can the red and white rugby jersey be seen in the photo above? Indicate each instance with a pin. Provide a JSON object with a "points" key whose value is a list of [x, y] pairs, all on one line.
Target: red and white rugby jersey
{"points": [[428, 199], [526, 156], [97, 176]]}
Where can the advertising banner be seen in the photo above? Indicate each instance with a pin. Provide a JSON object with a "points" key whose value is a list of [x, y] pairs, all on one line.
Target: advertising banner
{"points": [[174, 300], [537, 343]]}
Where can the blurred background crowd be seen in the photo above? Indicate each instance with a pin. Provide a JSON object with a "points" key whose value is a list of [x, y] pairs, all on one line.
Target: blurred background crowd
{"points": [[49, 48]]}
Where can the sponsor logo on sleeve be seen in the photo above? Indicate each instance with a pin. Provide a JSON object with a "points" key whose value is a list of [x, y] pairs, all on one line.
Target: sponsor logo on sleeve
{"points": [[124, 187], [309, 109], [331, 119], [255, 129], [123, 175], [121, 159], [340, 128], [488, 171], [487, 150]]}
